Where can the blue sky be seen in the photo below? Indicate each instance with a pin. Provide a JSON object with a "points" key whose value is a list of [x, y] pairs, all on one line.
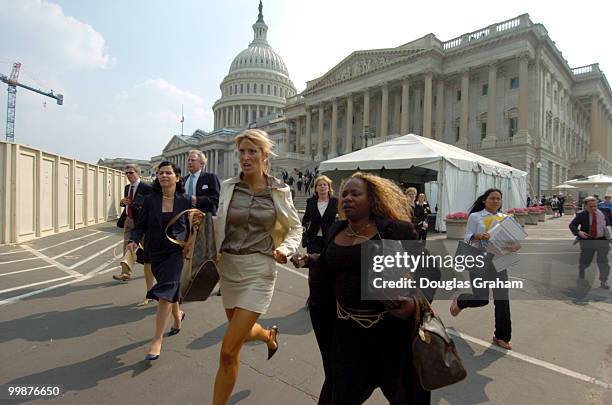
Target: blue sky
{"points": [[125, 67]]}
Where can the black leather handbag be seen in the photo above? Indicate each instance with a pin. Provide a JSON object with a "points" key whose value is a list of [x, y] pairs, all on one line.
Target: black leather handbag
{"points": [[199, 275], [435, 357]]}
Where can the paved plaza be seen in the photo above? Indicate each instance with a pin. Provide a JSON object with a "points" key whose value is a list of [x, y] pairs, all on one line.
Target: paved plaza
{"points": [[64, 321]]}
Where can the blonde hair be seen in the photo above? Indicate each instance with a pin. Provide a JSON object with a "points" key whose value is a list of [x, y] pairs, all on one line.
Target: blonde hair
{"points": [[386, 198], [261, 140], [327, 180], [409, 189]]}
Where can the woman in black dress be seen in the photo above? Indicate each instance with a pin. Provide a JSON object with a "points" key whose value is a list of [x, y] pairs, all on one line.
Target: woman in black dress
{"points": [[420, 216], [363, 344], [168, 199]]}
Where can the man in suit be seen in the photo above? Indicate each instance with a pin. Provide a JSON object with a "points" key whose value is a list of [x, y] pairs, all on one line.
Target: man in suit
{"points": [[589, 226], [133, 198], [202, 187]]}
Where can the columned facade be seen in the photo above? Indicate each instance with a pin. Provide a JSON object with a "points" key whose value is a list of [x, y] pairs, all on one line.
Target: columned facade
{"points": [[503, 92]]}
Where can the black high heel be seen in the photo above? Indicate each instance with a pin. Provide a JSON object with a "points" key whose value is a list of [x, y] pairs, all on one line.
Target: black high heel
{"points": [[151, 357], [175, 331], [271, 352]]}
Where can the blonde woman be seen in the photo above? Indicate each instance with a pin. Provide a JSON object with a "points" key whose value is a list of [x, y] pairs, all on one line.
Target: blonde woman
{"points": [[320, 214], [257, 225]]}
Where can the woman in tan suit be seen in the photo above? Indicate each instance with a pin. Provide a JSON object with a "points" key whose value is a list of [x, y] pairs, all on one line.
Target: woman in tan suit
{"points": [[257, 226]]}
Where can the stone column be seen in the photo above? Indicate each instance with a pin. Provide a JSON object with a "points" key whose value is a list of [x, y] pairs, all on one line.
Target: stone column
{"points": [[287, 136], [298, 135], [233, 122], [523, 129], [405, 106], [427, 100], [595, 147], [308, 132], [384, 110], [417, 127], [256, 112], [440, 110], [333, 151], [491, 136], [348, 144], [249, 114], [397, 108], [222, 123], [463, 125], [320, 133], [366, 114]]}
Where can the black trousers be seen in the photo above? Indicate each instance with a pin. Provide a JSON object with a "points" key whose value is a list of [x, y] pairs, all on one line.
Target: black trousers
{"points": [[588, 249], [315, 244], [501, 300], [322, 319]]}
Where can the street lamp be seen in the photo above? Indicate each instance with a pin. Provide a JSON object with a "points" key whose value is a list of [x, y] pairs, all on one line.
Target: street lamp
{"points": [[539, 166]]}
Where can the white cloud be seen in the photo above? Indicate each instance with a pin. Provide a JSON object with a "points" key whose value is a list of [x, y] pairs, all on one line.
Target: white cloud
{"points": [[40, 32]]}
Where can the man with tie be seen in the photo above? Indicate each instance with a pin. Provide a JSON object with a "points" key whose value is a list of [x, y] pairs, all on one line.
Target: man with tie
{"points": [[202, 187], [589, 226], [133, 198]]}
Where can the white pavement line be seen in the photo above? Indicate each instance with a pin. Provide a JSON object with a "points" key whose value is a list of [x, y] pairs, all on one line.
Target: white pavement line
{"points": [[96, 255], [11, 252], [26, 270], [21, 287], [49, 260], [109, 270], [529, 359], [525, 358], [68, 241], [80, 247], [89, 275], [19, 260]]}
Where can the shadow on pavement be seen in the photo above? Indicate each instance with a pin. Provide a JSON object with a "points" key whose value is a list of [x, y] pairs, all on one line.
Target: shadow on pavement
{"points": [[77, 322], [239, 396], [472, 389], [86, 374]]}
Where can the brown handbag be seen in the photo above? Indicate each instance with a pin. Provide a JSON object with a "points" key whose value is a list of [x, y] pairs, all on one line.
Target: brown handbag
{"points": [[435, 357], [199, 275]]}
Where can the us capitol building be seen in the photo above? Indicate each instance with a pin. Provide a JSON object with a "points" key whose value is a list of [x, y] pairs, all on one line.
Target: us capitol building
{"points": [[504, 91]]}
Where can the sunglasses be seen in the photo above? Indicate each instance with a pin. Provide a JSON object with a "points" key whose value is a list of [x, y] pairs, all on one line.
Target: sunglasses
{"points": [[129, 172]]}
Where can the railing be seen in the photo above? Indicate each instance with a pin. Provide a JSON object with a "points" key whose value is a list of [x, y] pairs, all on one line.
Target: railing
{"points": [[587, 70], [474, 146], [466, 39], [504, 141], [293, 155], [294, 99], [381, 139]]}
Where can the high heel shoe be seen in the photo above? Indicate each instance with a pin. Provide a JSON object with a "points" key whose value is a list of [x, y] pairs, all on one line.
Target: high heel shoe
{"points": [[175, 331], [151, 357], [274, 337]]}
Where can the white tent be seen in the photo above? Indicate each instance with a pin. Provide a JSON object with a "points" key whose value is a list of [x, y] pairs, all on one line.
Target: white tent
{"points": [[461, 175], [599, 184]]}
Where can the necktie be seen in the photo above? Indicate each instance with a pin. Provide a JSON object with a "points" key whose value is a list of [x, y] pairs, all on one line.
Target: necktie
{"points": [[131, 198], [190, 185], [593, 230]]}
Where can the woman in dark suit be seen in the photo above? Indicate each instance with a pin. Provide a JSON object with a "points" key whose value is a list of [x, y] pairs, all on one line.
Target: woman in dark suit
{"points": [[421, 215], [320, 214], [364, 344], [168, 200]]}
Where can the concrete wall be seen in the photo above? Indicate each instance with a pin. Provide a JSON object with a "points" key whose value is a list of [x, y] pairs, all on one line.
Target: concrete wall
{"points": [[42, 193]]}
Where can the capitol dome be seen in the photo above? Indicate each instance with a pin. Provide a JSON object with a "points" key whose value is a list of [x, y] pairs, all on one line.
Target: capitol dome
{"points": [[257, 84]]}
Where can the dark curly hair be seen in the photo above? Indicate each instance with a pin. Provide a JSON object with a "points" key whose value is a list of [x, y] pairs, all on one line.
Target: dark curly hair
{"points": [[479, 204], [180, 186]]}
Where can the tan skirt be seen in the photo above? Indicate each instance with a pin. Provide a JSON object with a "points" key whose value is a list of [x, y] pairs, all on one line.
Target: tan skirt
{"points": [[247, 281]]}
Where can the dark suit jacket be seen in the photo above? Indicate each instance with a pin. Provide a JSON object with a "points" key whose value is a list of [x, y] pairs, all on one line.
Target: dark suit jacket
{"points": [[149, 222], [143, 190], [207, 192], [313, 221], [581, 222]]}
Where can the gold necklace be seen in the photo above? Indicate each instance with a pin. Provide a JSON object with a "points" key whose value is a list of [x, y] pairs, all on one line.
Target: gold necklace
{"points": [[167, 198], [356, 234]]}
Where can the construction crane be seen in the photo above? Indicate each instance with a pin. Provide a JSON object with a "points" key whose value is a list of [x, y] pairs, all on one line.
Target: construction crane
{"points": [[12, 95]]}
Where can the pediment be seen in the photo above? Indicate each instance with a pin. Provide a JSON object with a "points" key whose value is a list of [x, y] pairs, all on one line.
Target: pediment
{"points": [[360, 63], [175, 142]]}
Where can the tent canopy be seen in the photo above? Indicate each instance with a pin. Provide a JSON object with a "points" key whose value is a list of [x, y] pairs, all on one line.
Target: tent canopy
{"points": [[591, 180], [461, 176], [413, 150]]}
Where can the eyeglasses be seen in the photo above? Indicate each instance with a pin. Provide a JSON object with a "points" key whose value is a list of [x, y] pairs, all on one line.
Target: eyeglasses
{"points": [[129, 172]]}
